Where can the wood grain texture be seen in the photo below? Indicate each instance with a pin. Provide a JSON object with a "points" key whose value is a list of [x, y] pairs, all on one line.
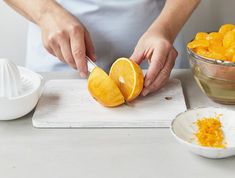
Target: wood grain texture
{"points": [[67, 104]]}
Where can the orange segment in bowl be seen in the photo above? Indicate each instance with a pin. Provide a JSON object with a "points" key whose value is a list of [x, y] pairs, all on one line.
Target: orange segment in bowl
{"points": [[128, 77], [216, 48], [209, 54], [215, 45], [229, 39], [216, 56], [201, 36], [198, 43], [229, 53], [214, 36], [104, 89], [233, 59], [201, 51], [226, 28]]}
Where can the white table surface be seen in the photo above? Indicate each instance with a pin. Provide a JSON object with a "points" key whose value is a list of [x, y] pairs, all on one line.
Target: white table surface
{"points": [[27, 152]]}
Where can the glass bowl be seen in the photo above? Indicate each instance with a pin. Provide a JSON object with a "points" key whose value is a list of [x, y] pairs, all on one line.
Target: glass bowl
{"points": [[216, 78]]}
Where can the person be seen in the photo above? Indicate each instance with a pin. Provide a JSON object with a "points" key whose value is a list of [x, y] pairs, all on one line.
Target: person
{"points": [[143, 30]]}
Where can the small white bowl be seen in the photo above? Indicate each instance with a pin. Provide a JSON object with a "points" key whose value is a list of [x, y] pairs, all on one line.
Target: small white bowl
{"points": [[183, 128], [15, 107]]}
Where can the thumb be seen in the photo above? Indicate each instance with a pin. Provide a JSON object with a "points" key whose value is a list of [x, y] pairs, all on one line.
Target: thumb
{"points": [[137, 56]]}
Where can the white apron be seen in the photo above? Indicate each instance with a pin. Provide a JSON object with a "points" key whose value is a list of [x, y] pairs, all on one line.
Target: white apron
{"points": [[115, 27]]}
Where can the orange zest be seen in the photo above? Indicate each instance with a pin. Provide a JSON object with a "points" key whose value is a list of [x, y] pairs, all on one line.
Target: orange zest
{"points": [[210, 132]]}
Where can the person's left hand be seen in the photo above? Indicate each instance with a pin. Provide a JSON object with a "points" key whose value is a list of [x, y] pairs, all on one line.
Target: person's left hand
{"points": [[155, 47]]}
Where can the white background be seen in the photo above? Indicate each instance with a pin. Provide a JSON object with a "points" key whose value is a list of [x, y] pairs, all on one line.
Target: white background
{"points": [[13, 28]]}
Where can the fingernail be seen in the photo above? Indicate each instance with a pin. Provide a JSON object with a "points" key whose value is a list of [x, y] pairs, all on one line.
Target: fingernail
{"points": [[82, 74], [145, 92], [94, 57]]}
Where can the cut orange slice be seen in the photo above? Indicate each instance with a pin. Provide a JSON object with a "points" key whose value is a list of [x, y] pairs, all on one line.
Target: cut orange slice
{"points": [[128, 77], [104, 89]]}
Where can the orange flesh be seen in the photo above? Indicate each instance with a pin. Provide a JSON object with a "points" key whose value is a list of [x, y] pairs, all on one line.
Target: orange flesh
{"points": [[128, 77], [124, 83]]}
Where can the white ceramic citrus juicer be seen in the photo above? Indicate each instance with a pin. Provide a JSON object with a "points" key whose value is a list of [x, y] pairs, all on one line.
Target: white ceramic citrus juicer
{"points": [[19, 90]]}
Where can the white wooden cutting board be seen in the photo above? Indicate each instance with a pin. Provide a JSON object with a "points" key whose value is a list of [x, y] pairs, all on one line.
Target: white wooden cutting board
{"points": [[68, 104]]}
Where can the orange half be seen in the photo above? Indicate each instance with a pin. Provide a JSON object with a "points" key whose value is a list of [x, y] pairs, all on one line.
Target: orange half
{"points": [[104, 89], [128, 77]]}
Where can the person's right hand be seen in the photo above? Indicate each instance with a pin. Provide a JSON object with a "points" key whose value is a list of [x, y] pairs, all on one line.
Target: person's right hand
{"points": [[66, 38]]}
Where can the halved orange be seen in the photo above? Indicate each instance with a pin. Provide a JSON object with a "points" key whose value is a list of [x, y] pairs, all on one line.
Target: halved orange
{"points": [[104, 89], [128, 77]]}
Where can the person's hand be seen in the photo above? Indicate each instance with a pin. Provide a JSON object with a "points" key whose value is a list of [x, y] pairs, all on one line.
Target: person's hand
{"points": [[155, 47], [66, 38]]}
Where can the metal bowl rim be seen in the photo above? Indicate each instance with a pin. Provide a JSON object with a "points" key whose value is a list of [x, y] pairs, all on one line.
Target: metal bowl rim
{"points": [[209, 60]]}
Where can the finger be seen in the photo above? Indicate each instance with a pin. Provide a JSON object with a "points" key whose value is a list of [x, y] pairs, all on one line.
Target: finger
{"points": [[164, 74], [137, 55], [53, 48], [66, 52], [148, 90], [79, 52], [157, 63], [90, 50], [57, 52], [47, 46]]}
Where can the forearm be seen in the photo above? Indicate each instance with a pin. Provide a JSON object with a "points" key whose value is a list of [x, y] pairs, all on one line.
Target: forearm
{"points": [[34, 10], [173, 16]]}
